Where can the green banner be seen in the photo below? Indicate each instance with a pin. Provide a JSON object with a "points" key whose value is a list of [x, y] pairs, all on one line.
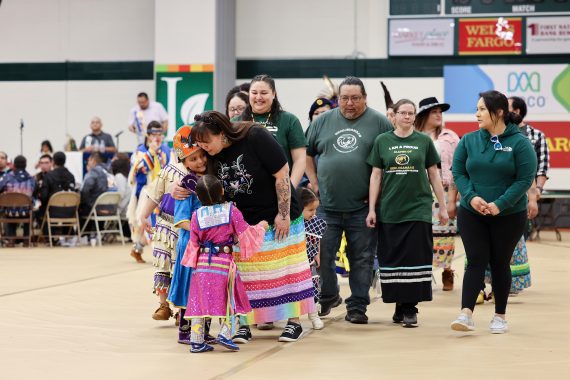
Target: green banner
{"points": [[183, 94]]}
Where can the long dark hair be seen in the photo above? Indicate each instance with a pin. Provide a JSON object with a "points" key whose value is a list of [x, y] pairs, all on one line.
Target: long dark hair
{"points": [[495, 102], [209, 190], [213, 123], [421, 120], [276, 108]]}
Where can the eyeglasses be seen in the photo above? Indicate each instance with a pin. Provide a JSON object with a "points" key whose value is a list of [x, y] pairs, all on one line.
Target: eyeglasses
{"points": [[354, 99], [236, 109], [410, 114], [496, 143]]}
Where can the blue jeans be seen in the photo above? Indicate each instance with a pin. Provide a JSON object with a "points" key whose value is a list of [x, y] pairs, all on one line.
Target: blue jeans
{"points": [[360, 250]]}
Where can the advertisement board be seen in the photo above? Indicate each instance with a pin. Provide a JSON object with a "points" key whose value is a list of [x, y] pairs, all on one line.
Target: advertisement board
{"points": [[184, 90], [421, 37], [490, 36], [548, 35]]}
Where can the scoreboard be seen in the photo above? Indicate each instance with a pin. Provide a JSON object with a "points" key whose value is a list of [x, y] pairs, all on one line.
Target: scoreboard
{"points": [[464, 7], [476, 7]]}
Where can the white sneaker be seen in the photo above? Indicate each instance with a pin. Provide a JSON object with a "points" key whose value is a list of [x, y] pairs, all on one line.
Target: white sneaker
{"points": [[463, 323], [498, 325], [316, 321]]}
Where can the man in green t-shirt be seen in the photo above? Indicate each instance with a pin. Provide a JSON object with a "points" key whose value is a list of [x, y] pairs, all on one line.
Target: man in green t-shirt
{"points": [[342, 139]]}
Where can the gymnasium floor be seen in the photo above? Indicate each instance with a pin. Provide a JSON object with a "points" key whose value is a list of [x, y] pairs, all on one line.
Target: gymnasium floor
{"points": [[84, 313]]}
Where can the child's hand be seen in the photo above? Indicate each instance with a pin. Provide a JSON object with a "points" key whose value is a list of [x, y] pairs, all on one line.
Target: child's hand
{"points": [[264, 224], [318, 260]]}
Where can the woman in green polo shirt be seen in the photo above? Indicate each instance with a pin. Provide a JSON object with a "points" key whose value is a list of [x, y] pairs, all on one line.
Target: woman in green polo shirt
{"points": [[404, 164]]}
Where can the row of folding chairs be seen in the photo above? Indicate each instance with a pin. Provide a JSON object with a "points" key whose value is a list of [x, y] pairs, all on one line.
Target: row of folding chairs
{"points": [[62, 213]]}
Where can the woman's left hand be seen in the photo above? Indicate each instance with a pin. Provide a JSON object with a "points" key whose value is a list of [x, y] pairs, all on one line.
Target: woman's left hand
{"points": [[532, 209], [443, 216], [281, 227], [493, 209]]}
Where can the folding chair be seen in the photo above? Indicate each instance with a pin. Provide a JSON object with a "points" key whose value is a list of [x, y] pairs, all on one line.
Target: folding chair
{"points": [[105, 209], [16, 203], [61, 211]]}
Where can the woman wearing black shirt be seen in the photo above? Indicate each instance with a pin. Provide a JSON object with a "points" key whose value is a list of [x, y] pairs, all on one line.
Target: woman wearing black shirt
{"points": [[255, 174]]}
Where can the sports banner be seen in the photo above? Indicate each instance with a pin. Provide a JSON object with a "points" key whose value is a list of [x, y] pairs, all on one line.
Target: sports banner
{"points": [[184, 90], [545, 88]]}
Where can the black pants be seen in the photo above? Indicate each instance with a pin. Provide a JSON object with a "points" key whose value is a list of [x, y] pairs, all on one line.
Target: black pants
{"points": [[489, 240]]}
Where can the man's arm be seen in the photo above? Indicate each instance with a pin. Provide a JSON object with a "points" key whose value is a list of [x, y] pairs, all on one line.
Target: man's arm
{"points": [[311, 171]]}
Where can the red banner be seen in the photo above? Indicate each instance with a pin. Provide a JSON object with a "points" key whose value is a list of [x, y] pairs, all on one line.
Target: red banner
{"points": [[557, 136], [490, 36]]}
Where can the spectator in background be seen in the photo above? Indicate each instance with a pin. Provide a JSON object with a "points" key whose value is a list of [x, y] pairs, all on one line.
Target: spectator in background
{"points": [[319, 106], [236, 102], [537, 139], [45, 148], [94, 184], [120, 168], [143, 114], [45, 165], [4, 168], [97, 140], [17, 181], [59, 179]]}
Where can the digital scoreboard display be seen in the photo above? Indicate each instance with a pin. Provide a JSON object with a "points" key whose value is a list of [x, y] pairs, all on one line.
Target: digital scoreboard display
{"points": [[415, 7]]}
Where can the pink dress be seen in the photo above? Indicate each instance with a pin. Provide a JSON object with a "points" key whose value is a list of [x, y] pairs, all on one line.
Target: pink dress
{"points": [[216, 289]]}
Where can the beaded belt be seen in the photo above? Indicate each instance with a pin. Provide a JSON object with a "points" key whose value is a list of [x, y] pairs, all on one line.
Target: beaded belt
{"points": [[166, 217], [219, 248]]}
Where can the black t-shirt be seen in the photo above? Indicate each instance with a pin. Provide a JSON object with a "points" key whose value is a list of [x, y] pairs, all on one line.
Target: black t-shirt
{"points": [[246, 170]]}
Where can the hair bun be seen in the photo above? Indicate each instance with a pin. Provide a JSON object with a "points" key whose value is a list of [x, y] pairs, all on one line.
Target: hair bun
{"points": [[513, 117]]}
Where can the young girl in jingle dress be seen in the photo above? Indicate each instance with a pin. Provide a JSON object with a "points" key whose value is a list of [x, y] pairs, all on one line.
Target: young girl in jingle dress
{"points": [[216, 289]]}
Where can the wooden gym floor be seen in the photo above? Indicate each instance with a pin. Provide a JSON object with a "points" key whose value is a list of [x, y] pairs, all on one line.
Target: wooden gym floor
{"points": [[85, 313]]}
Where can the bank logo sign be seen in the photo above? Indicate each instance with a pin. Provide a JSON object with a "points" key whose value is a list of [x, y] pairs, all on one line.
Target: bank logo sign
{"points": [[490, 36], [548, 35], [545, 88], [185, 91], [421, 37]]}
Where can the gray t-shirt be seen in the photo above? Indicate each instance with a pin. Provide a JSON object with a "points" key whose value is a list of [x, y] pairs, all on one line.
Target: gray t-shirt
{"points": [[343, 146], [100, 142]]}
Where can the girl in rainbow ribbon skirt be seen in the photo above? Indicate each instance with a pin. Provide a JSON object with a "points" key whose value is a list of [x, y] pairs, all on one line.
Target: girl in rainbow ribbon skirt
{"points": [[216, 289]]}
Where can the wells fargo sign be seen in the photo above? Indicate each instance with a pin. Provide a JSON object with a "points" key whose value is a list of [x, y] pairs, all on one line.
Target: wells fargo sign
{"points": [[490, 36]]}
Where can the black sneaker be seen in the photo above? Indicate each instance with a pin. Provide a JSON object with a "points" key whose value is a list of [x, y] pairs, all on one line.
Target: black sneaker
{"points": [[327, 306], [410, 317], [243, 335], [356, 316], [398, 316], [291, 332]]}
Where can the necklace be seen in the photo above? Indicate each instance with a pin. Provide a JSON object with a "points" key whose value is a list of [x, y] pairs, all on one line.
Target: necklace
{"points": [[266, 120]]}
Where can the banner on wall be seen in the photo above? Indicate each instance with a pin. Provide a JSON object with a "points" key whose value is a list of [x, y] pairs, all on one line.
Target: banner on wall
{"points": [[185, 91], [545, 88], [557, 137], [548, 35], [490, 36], [421, 37]]}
